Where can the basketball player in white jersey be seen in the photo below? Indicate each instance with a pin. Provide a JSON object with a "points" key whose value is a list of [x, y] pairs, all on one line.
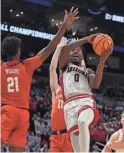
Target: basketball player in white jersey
{"points": [[76, 81], [116, 141]]}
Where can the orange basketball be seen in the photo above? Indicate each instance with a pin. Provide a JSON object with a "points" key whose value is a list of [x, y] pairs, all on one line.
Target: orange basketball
{"points": [[101, 43]]}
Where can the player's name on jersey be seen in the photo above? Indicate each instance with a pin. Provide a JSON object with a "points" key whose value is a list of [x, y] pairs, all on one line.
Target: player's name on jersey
{"points": [[27, 32], [12, 71], [78, 70]]}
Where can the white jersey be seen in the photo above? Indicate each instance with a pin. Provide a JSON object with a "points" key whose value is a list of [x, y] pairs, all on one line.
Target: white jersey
{"points": [[75, 80]]}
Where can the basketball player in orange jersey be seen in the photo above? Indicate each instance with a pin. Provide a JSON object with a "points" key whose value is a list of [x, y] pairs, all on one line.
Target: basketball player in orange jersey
{"points": [[116, 141], [76, 82], [15, 84], [59, 140]]}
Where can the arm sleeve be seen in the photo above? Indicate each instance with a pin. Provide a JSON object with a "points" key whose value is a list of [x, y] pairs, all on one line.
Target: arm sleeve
{"points": [[32, 63]]}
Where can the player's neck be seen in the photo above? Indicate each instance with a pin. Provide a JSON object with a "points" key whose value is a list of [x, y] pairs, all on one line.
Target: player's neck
{"points": [[77, 64], [13, 58]]}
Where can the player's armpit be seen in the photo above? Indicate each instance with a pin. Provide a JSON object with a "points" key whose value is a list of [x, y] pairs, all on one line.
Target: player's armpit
{"points": [[32, 63], [98, 75]]}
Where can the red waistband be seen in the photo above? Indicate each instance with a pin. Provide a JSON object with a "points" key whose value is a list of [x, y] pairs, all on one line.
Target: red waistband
{"points": [[78, 97]]}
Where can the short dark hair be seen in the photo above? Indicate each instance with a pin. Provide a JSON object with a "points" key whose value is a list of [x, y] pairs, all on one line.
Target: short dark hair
{"points": [[83, 49], [10, 46]]}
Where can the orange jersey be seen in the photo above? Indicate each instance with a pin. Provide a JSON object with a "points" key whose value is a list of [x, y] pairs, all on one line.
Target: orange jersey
{"points": [[16, 80], [57, 115]]}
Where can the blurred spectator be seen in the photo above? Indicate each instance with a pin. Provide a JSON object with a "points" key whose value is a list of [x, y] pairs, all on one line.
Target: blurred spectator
{"points": [[95, 148]]}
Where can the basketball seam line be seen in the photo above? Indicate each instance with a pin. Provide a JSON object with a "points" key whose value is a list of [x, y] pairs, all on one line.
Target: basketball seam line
{"points": [[100, 41]]}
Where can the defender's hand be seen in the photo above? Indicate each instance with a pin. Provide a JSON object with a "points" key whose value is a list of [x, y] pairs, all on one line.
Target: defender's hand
{"points": [[71, 16]]}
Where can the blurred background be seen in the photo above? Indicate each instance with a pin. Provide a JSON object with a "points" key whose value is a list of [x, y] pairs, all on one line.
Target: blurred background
{"points": [[36, 22]]}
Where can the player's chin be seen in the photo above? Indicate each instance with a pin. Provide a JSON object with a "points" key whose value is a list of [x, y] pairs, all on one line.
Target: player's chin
{"points": [[76, 62]]}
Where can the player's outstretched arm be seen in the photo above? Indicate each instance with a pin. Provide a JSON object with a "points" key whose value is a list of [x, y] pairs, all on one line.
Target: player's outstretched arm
{"points": [[68, 20], [95, 80], [53, 67], [63, 61]]}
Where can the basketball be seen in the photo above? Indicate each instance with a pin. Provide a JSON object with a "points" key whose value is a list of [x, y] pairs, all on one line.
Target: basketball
{"points": [[101, 43]]}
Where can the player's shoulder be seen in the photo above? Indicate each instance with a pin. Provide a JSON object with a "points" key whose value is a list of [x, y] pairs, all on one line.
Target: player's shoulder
{"points": [[114, 136], [89, 71]]}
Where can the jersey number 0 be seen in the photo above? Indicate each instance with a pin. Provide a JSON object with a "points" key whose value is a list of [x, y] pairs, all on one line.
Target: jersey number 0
{"points": [[76, 77], [12, 84]]}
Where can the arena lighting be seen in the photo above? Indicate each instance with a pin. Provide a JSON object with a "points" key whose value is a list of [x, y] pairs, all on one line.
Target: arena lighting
{"points": [[91, 29], [17, 15], [26, 32], [47, 3], [119, 49], [94, 13], [114, 18], [11, 10], [38, 34]]}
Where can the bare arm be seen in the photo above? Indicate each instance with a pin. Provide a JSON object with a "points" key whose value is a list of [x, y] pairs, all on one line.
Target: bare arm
{"points": [[68, 20], [108, 147], [53, 67], [63, 61], [95, 79]]}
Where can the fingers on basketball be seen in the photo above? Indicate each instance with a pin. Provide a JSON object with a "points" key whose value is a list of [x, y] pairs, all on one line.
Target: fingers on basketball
{"points": [[103, 43]]}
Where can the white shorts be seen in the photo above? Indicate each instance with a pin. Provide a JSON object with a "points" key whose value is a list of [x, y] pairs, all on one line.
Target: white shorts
{"points": [[78, 110]]}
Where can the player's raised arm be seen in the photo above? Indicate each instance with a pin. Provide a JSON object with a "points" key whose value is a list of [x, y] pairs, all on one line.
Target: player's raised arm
{"points": [[63, 61], [95, 79], [53, 67], [68, 20]]}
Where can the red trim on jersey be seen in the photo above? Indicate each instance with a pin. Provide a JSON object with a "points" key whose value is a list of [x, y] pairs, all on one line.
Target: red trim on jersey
{"points": [[79, 96], [83, 108], [96, 114], [73, 128], [76, 133]]}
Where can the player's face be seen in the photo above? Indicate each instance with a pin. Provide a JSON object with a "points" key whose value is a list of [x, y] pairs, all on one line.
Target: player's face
{"points": [[76, 56], [122, 119]]}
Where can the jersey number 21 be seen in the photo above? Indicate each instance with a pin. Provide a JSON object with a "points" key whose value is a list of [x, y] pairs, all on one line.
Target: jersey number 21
{"points": [[12, 85]]}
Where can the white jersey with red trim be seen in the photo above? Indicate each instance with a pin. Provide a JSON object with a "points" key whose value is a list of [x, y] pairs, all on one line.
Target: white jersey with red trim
{"points": [[75, 81]]}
